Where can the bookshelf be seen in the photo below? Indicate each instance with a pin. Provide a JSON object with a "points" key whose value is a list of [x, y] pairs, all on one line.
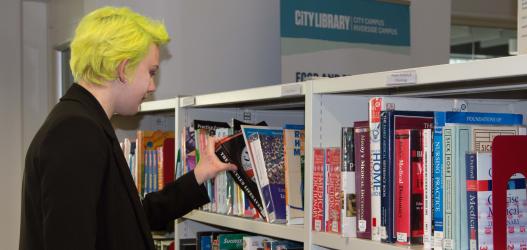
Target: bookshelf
{"points": [[323, 106]]}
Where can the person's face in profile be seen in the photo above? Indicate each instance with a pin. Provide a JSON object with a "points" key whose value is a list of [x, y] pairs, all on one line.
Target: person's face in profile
{"points": [[142, 82]]}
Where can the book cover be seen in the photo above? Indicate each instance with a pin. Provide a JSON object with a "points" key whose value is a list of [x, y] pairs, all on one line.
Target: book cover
{"points": [[390, 121], [254, 242], [294, 178], [402, 180], [362, 178], [231, 241], [348, 194], [266, 149], [318, 219], [233, 150], [333, 190]]}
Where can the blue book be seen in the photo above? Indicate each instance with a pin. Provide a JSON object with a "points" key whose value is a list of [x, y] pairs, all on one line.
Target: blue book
{"points": [[440, 119], [391, 120]]}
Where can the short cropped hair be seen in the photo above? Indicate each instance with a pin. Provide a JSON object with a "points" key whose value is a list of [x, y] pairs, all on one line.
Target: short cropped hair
{"points": [[109, 35]]}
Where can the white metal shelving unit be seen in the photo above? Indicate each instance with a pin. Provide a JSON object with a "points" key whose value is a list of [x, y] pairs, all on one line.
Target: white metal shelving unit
{"points": [[324, 105]]}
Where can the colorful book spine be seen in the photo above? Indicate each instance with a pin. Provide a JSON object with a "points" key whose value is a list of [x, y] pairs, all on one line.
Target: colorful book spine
{"points": [[333, 191], [318, 220], [348, 214], [402, 192], [375, 106], [416, 186], [428, 189], [472, 200], [362, 179]]}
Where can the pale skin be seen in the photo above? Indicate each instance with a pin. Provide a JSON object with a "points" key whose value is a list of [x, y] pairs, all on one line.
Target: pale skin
{"points": [[124, 95]]}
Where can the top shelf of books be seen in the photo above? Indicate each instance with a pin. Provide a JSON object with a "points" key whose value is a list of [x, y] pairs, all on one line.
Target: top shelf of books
{"points": [[492, 75], [276, 96]]}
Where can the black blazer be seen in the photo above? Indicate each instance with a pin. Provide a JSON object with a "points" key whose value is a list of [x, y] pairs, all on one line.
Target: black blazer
{"points": [[78, 192]]}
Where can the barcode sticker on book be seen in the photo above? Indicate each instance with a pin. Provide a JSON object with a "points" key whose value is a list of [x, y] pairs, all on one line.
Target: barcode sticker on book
{"points": [[448, 243], [384, 235], [318, 225], [362, 225], [334, 226], [402, 237]]}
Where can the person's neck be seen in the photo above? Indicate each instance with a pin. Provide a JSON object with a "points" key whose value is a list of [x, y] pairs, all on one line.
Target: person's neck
{"points": [[102, 93]]}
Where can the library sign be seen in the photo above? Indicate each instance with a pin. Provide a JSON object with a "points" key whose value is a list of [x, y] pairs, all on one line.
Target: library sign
{"points": [[315, 26]]}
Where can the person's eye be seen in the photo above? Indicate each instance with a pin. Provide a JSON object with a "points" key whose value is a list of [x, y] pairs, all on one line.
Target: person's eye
{"points": [[153, 73]]}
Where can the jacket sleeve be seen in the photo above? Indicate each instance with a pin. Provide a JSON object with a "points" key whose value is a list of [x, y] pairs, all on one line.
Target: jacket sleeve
{"points": [[174, 200], [73, 160]]}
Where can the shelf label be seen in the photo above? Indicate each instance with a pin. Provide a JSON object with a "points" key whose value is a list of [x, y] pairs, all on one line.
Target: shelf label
{"points": [[188, 101], [402, 78], [291, 89]]}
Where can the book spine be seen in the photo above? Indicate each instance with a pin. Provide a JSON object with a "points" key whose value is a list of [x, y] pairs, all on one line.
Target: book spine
{"points": [[375, 107], [463, 141], [318, 220], [472, 201], [402, 193], [438, 180], [387, 226], [449, 187], [416, 186], [333, 219], [348, 194], [362, 182], [428, 188]]}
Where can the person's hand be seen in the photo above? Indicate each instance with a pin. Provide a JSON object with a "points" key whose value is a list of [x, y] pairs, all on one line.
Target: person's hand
{"points": [[209, 165]]}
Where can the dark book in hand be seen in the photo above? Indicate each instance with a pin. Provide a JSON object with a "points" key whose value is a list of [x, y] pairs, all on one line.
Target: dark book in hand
{"points": [[232, 150]]}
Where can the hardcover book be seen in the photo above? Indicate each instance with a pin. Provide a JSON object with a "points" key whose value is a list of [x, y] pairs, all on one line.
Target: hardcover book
{"points": [[318, 218], [349, 212], [333, 202], [362, 178]]}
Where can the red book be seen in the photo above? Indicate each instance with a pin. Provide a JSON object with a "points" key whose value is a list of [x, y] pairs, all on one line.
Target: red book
{"points": [[333, 207], [402, 180], [362, 178], [168, 161], [318, 220], [417, 186]]}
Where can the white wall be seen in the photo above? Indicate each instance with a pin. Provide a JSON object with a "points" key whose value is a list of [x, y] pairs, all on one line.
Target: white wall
{"points": [[216, 45], [485, 9], [11, 122], [35, 61]]}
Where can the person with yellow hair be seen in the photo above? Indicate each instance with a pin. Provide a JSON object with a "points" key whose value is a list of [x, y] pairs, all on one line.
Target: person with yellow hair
{"points": [[77, 191]]}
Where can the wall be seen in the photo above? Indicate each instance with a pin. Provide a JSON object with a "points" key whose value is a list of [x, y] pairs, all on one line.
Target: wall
{"points": [[490, 13], [11, 122]]}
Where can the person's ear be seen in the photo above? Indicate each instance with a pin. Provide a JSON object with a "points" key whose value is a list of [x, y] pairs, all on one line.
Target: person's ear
{"points": [[121, 71]]}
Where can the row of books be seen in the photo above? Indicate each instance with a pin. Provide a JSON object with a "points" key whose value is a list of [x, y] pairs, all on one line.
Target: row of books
{"points": [[415, 175], [150, 157], [210, 240], [269, 178]]}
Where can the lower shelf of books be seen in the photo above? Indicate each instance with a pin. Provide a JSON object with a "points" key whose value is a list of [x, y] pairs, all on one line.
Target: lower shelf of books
{"points": [[335, 241], [294, 232]]}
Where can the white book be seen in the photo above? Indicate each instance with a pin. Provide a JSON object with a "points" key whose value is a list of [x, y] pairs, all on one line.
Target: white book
{"points": [[427, 183]]}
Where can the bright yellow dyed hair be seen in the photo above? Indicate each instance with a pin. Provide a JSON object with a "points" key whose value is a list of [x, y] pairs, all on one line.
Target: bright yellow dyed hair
{"points": [[109, 35]]}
